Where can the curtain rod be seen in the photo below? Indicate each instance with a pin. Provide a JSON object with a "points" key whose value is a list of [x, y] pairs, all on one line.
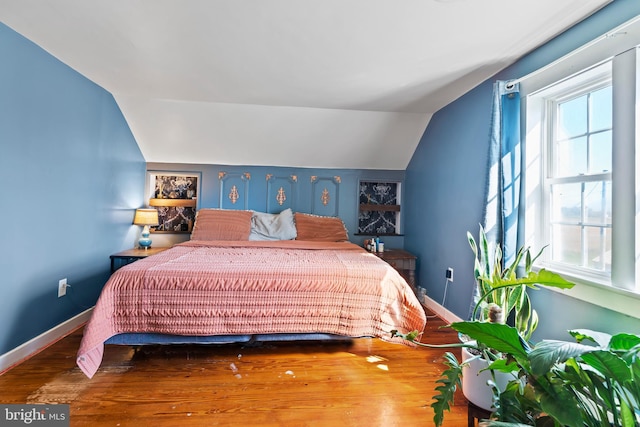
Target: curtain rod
{"points": [[616, 32]]}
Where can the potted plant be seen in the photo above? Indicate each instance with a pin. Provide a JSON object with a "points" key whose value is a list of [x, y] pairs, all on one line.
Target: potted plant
{"points": [[502, 291], [576, 384], [495, 303], [502, 295], [558, 382]]}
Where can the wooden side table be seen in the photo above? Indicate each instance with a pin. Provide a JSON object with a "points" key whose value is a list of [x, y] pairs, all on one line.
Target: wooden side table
{"points": [[403, 261], [128, 256]]}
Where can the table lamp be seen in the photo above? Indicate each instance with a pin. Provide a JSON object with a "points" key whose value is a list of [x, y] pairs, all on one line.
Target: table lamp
{"points": [[145, 217]]}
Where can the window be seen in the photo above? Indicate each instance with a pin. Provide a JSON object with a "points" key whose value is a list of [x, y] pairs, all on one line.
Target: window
{"points": [[583, 173], [578, 171], [574, 150]]}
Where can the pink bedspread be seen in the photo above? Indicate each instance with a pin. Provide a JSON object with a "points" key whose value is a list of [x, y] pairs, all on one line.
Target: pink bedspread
{"points": [[223, 288]]}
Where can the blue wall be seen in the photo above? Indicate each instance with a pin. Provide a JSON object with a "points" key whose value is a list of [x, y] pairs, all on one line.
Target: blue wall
{"points": [[71, 175], [347, 206], [445, 190]]}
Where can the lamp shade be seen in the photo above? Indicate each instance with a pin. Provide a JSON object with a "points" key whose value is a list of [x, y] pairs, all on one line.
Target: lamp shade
{"points": [[146, 217]]}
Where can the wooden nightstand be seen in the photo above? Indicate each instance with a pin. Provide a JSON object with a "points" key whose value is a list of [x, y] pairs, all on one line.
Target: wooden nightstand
{"points": [[130, 255], [402, 261]]}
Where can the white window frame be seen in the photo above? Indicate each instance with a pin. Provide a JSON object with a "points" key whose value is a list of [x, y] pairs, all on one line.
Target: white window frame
{"points": [[544, 104], [617, 291]]}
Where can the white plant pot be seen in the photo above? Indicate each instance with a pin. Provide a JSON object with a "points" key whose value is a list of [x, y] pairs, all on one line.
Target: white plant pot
{"points": [[474, 382]]}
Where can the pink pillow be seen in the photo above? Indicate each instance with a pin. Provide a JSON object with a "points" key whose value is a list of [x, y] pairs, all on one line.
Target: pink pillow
{"points": [[320, 228], [222, 224]]}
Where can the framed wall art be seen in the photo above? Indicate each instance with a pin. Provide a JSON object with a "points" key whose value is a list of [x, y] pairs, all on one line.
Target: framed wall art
{"points": [[175, 196]]}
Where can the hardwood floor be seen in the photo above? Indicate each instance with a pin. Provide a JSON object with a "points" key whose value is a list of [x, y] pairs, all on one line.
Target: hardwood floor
{"points": [[366, 382]]}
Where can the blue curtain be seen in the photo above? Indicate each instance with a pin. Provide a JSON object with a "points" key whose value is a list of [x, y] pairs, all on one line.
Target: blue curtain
{"points": [[502, 201], [504, 170]]}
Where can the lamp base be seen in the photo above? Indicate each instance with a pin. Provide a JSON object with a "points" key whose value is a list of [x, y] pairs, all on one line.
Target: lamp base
{"points": [[145, 241]]}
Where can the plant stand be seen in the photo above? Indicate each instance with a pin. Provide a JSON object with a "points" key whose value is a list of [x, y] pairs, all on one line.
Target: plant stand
{"points": [[476, 413]]}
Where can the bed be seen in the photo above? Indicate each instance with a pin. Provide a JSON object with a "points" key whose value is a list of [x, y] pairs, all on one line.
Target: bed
{"points": [[246, 276]]}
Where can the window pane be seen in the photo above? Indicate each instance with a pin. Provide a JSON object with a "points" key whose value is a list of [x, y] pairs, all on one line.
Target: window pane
{"points": [[572, 118], [571, 157], [566, 244], [597, 199], [575, 123], [600, 152], [566, 203], [598, 248], [601, 110]]}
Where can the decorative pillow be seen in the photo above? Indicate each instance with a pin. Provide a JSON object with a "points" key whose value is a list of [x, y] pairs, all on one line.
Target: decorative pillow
{"points": [[221, 224], [320, 228], [266, 226]]}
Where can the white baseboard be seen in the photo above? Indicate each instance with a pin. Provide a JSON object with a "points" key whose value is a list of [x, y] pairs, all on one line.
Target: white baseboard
{"points": [[441, 311], [42, 341]]}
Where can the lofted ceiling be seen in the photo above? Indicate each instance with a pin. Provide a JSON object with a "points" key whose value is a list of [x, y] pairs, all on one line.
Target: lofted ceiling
{"points": [[304, 83]]}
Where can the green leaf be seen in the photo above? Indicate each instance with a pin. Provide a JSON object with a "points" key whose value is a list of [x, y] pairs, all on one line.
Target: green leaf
{"points": [[624, 342], [497, 262], [448, 383], [542, 277], [591, 389], [514, 298], [561, 404], [472, 243], [609, 365], [600, 338], [516, 404], [502, 365], [528, 262], [477, 267], [591, 385], [537, 256], [523, 311], [502, 338], [511, 269], [549, 352], [484, 252], [533, 325], [626, 416]]}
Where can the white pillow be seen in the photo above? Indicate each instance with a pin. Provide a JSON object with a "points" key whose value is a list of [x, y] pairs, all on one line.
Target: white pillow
{"points": [[265, 226]]}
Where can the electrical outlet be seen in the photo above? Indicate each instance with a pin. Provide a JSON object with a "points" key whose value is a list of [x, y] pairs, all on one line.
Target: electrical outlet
{"points": [[422, 295], [450, 274], [62, 287]]}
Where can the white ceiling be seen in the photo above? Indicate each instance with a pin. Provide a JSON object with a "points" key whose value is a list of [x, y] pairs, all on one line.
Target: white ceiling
{"points": [[305, 83]]}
